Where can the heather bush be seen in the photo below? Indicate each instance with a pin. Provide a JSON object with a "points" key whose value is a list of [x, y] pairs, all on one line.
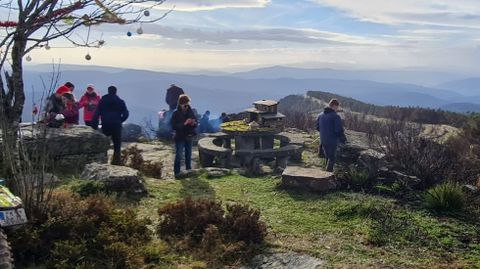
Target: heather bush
{"points": [[80, 232], [445, 197], [132, 157], [204, 228]]}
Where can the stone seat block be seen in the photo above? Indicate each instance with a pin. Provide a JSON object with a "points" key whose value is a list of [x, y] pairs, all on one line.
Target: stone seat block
{"points": [[309, 179]]}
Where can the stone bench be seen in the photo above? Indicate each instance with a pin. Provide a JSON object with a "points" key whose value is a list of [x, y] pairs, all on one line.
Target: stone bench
{"points": [[251, 158], [210, 148]]}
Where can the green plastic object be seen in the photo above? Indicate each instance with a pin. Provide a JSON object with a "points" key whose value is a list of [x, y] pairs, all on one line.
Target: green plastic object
{"points": [[7, 199]]}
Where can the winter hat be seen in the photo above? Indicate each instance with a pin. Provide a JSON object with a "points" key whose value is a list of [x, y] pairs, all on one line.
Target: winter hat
{"points": [[62, 89], [183, 99], [333, 102], [90, 86]]}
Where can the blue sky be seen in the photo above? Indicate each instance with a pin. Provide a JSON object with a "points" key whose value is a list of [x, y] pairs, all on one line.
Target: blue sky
{"points": [[235, 35]]}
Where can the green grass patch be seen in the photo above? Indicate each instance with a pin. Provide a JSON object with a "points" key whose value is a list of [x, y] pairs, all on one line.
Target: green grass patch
{"points": [[337, 227]]}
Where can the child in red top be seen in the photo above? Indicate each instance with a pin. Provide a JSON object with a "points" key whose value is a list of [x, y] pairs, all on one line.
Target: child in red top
{"points": [[89, 101], [70, 110]]}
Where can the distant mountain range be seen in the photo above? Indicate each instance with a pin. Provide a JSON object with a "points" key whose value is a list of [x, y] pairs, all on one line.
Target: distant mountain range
{"points": [[144, 91]]}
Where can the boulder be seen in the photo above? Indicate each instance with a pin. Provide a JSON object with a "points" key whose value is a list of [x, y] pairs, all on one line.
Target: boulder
{"points": [[214, 172], [116, 178], [310, 179], [131, 132], [284, 261], [70, 149]]}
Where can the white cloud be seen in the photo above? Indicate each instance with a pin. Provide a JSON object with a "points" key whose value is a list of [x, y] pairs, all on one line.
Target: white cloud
{"points": [[453, 13], [190, 5], [292, 35]]}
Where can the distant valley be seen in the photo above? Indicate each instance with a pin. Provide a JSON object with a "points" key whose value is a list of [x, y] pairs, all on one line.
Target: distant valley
{"points": [[144, 91]]}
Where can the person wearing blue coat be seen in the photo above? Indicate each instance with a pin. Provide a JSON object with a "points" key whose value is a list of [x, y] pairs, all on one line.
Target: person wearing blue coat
{"points": [[329, 124], [113, 112]]}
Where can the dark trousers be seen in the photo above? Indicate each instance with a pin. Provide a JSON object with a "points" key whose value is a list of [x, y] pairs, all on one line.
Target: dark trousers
{"points": [[115, 132], [180, 146], [329, 152]]}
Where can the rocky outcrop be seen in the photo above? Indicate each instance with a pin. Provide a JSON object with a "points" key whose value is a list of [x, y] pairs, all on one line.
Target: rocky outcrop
{"points": [[70, 148], [132, 132], [285, 261], [309, 179], [115, 178]]}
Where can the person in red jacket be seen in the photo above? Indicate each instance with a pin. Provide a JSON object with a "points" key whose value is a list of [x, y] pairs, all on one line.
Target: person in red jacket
{"points": [[89, 102], [70, 110]]}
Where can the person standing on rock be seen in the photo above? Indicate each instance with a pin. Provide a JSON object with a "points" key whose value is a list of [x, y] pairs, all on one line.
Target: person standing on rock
{"points": [[184, 123], [89, 102], [113, 112], [329, 124]]}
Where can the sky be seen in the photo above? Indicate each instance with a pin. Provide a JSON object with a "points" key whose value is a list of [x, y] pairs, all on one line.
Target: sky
{"points": [[234, 35]]}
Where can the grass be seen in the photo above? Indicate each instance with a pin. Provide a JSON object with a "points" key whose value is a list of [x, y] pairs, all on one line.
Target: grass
{"points": [[336, 227]]}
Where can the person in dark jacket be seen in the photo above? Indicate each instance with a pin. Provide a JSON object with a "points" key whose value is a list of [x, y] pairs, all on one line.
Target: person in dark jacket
{"points": [[205, 123], [329, 124], [173, 93], [183, 123], [113, 112]]}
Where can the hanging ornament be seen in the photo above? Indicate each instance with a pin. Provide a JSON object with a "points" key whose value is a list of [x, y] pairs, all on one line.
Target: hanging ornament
{"points": [[129, 33], [47, 47], [140, 30], [88, 57], [146, 13], [28, 58]]}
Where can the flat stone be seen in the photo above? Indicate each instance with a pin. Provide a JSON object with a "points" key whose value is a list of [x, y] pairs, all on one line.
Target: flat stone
{"points": [[116, 178], [311, 179], [284, 261]]}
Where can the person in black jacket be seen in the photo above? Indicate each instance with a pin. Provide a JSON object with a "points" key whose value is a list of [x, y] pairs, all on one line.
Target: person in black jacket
{"points": [[173, 93], [113, 112], [183, 123]]}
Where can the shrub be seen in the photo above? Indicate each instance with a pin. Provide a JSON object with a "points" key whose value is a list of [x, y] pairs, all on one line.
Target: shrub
{"points": [[132, 157], [82, 233], [204, 228], [86, 188], [445, 197], [358, 178]]}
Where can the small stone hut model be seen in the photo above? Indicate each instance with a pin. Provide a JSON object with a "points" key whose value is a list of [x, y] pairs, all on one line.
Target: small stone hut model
{"points": [[265, 114]]}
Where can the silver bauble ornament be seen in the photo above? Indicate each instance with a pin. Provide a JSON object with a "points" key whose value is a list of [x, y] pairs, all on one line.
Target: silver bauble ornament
{"points": [[47, 47], [28, 59], [88, 57], [140, 31], [146, 13]]}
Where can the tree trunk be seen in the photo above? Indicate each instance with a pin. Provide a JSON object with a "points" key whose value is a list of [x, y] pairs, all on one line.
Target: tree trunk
{"points": [[12, 101]]}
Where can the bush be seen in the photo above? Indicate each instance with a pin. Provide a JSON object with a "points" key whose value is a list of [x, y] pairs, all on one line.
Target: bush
{"points": [[445, 197], [204, 228], [358, 178], [82, 233], [132, 157], [86, 188]]}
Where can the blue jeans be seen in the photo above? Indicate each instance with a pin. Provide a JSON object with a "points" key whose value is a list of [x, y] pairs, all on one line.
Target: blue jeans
{"points": [[180, 146], [329, 151]]}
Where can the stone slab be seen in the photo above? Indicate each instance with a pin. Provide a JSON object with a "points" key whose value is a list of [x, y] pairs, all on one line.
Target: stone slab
{"points": [[310, 179], [116, 178]]}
